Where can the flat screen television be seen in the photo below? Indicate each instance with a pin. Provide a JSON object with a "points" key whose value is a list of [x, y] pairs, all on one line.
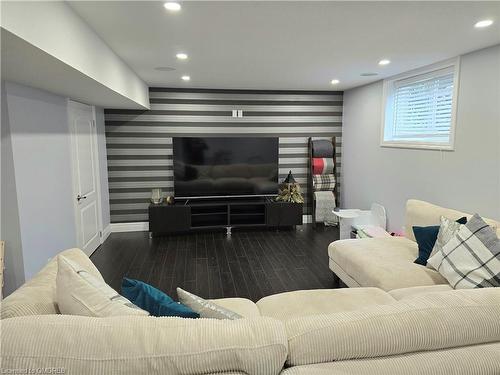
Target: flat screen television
{"points": [[225, 166]]}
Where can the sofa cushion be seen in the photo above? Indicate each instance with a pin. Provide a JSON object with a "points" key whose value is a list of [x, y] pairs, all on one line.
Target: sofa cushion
{"points": [[300, 303], [427, 322], [81, 293], [131, 345], [447, 231], [476, 359], [418, 290], [38, 295], [206, 309], [426, 239], [385, 263], [242, 306], [420, 213]]}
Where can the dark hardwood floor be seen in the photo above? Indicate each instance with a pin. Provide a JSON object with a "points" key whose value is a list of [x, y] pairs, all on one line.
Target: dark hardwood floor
{"points": [[250, 264]]}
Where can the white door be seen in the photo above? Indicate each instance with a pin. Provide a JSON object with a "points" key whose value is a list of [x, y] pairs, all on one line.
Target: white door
{"points": [[85, 176]]}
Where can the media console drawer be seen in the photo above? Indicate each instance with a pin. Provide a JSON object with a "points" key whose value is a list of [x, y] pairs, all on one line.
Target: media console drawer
{"points": [[165, 218], [283, 214]]}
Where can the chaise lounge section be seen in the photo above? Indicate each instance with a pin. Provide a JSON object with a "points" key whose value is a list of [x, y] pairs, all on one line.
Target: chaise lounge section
{"points": [[387, 263]]}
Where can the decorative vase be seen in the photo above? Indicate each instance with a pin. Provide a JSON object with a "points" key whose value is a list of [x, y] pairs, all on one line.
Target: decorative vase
{"points": [[156, 196]]}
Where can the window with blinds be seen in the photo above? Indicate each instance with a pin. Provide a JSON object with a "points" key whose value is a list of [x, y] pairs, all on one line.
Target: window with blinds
{"points": [[420, 109]]}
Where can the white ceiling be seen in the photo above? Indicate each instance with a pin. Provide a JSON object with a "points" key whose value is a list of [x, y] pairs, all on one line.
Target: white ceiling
{"points": [[287, 45]]}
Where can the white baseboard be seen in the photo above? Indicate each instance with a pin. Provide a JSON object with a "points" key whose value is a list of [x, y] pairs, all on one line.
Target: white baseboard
{"points": [[307, 219], [141, 226], [105, 233]]}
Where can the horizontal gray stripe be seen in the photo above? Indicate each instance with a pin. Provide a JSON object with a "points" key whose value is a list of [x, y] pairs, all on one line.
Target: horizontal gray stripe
{"points": [[163, 139], [235, 96], [304, 140], [129, 218], [141, 184], [140, 157], [155, 178], [123, 195], [247, 102], [206, 127], [141, 173], [166, 150], [140, 162], [136, 195], [140, 151], [261, 113], [245, 108], [128, 201], [168, 119], [227, 130], [140, 168]]}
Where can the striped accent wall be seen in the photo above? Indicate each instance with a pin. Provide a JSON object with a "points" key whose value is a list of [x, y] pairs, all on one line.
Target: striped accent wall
{"points": [[139, 143]]}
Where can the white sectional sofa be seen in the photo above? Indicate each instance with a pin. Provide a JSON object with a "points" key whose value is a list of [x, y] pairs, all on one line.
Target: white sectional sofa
{"points": [[315, 332], [387, 263]]}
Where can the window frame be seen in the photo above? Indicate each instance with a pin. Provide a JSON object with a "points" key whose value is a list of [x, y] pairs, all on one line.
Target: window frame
{"points": [[389, 88]]}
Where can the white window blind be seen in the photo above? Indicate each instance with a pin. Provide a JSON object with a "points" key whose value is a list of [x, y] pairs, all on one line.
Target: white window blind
{"points": [[420, 107]]}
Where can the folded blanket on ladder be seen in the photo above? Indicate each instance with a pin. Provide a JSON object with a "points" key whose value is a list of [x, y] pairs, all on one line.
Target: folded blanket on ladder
{"points": [[325, 203]]}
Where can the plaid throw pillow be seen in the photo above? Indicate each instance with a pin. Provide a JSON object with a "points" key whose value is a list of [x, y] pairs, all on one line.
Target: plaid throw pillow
{"points": [[471, 259], [323, 182]]}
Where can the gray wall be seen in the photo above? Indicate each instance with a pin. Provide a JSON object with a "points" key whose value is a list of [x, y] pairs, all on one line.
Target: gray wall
{"points": [[42, 170], [139, 143], [467, 178], [37, 214], [10, 229]]}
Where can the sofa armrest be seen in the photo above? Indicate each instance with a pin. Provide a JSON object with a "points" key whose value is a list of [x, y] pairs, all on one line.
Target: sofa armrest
{"points": [[144, 345], [421, 213]]}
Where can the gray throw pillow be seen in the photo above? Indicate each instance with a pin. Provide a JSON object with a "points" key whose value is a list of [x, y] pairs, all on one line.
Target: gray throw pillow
{"points": [[447, 231], [206, 309]]}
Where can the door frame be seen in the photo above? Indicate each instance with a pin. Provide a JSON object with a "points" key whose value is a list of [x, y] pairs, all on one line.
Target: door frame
{"points": [[71, 105]]}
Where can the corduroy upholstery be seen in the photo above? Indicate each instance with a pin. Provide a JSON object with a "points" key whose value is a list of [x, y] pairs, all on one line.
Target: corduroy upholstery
{"points": [[144, 345], [300, 303], [428, 322], [478, 359]]}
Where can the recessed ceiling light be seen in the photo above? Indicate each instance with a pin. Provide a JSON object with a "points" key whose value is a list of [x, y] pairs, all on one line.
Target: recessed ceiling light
{"points": [[185, 78], [181, 56], [173, 7], [369, 74], [384, 62], [164, 68], [334, 81], [483, 23]]}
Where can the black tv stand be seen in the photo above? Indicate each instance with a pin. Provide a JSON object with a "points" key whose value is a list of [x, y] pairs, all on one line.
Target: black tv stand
{"points": [[228, 213]]}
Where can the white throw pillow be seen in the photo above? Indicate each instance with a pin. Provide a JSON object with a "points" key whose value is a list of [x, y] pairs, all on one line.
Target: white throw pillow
{"points": [[81, 293], [471, 259], [206, 309], [447, 231]]}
